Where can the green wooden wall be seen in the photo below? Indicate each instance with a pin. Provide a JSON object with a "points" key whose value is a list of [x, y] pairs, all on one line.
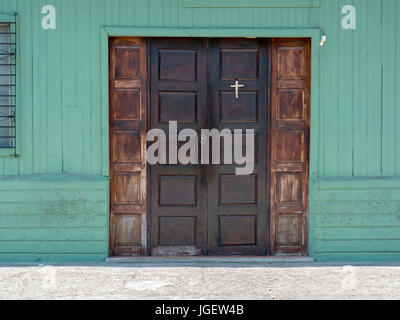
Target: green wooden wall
{"points": [[53, 218], [355, 219], [355, 196]]}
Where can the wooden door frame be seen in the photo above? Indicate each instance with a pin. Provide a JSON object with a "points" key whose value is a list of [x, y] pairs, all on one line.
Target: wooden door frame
{"points": [[313, 33]]}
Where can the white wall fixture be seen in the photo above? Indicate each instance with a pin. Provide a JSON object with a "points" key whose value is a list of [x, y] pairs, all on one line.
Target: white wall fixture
{"points": [[323, 40]]}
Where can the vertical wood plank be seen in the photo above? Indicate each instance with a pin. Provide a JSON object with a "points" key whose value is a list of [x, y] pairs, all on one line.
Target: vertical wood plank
{"points": [[374, 88], [360, 130], [25, 105], [397, 131], [40, 123], [389, 88], [72, 125], [83, 82], [331, 93], [97, 18], [345, 101], [54, 94]]}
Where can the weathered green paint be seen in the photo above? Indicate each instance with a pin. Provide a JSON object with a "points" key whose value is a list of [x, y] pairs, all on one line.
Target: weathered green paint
{"points": [[53, 217], [356, 219], [63, 128]]}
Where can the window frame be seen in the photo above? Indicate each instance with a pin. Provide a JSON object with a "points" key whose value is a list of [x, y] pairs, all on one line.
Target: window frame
{"points": [[13, 151]]}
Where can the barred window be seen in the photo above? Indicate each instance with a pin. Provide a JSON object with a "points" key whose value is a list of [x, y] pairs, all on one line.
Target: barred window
{"points": [[7, 85]]}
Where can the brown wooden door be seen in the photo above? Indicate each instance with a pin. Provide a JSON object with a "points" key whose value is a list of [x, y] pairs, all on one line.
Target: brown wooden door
{"points": [[178, 192], [128, 127], [290, 118], [237, 205], [207, 208]]}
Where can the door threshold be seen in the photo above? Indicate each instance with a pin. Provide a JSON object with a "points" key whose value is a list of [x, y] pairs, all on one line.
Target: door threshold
{"points": [[211, 260]]}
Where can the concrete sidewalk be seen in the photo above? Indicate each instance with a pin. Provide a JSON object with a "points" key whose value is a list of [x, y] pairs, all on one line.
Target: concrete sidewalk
{"points": [[200, 281]]}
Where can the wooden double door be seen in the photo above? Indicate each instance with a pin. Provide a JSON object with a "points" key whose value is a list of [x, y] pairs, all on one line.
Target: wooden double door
{"points": [[206, 209]]}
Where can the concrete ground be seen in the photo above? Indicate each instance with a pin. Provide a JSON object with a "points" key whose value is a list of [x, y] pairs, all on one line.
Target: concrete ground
{"points": [[200, 281]]}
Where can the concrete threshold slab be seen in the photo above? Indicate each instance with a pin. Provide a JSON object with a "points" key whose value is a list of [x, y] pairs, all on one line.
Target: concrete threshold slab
{"points": [[211, 260]]}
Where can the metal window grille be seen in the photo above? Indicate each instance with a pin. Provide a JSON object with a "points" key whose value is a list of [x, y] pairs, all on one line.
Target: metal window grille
{"points": [[8, 49]]}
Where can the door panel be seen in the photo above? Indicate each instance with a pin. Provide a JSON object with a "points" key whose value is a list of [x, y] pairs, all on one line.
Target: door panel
{"points": [[237, 205], [178, 192], [290, 145], [128, 118]]}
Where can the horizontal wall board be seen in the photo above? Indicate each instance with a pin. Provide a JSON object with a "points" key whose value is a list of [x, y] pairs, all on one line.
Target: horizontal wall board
{"points": [[52, 195], [357, 207], [57, 208], [379, 257], [357, 246], [351, 183], [54, 221], [53, 182], [384, 195], [54, 214], [54, 234], [352, 233], [29, 258], [59, 247], [357, 220], [251, 3]]}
